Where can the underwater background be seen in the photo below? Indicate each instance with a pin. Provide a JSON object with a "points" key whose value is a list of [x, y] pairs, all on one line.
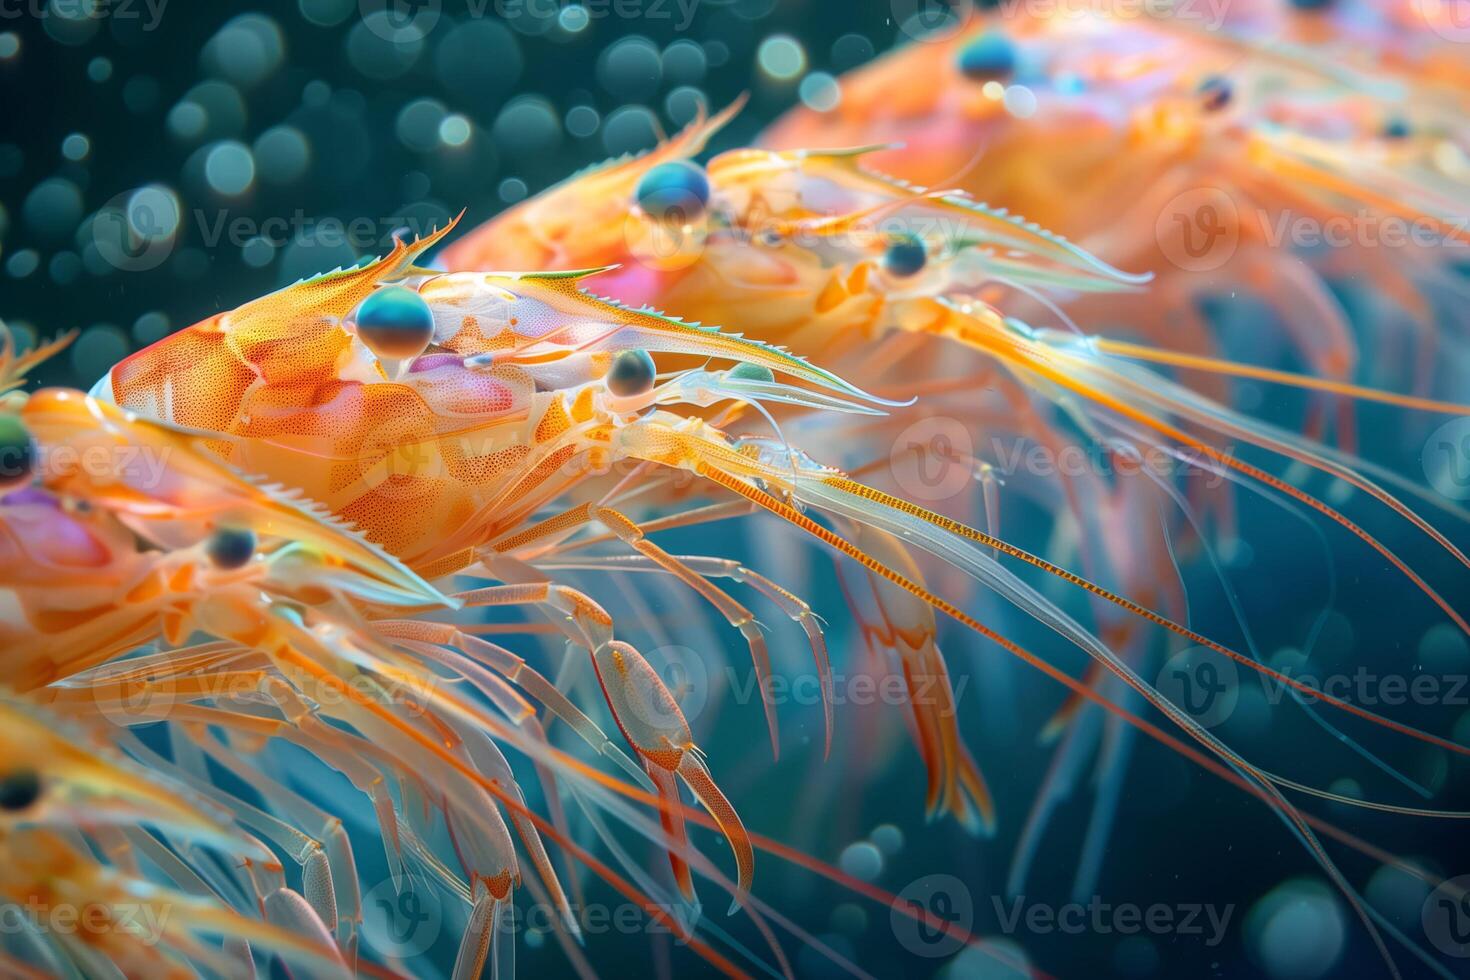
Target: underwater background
{"points": [[160, 162]]}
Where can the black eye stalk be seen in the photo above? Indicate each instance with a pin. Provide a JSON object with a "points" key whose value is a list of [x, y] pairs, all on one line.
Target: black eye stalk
{"points": [[230, 547], [19, 790]]}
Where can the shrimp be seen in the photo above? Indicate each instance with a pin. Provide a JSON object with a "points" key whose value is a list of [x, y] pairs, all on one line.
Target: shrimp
{"points": [[1201, 152], [575, 402]]}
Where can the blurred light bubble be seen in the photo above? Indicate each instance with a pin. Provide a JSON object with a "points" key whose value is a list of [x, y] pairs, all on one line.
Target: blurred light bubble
{"points": [[717, 53], [76, 147], [99, 69], [851, 50], [1443, 648], [229, 168], [582, 121], [861, 860], [140, 94], [480, 61], [684, 63], [528, 126], [257, 252], [684, 103], [1397, 894], [187, 121], [96, 350], [53, 209], [380, 50], [316, 93], [153, 212], [887, 838], [531, 18], [454, 130], [327, 13], [23, 263], [630, 69], [282, 155], [629, 129], [782, 57], [990, 959], [150, 328], [819, 91], [512, 189], [221, 112], [418, 124], [993, 90], [415, 185], [9, 45], [1297, 931], [24, 334], [573, 18], [72, 22], [64, 268], [1020, 101], [246, 50]]}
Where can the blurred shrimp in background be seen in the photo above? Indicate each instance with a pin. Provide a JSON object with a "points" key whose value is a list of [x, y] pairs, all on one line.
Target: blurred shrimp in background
{"points": [[1085, 342]]}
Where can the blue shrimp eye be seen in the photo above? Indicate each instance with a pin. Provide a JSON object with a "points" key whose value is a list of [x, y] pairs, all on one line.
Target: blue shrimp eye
{"points": [[631, 373], [745, 371], [230, 547], [905, 256], [674, 192], [990, 57], [395, 323], [19, 790], [1215, 92], [1396, 128], [17, 451]]}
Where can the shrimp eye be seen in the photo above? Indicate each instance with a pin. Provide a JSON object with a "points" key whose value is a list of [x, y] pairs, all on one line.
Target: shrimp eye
{"points": [[673, 192], [990, 57], [230, 547], [1215, 92], [395, 323], [906, 256], [631, 373], [19, 789], [745, 371], [17, 451], [1396, 128]]}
